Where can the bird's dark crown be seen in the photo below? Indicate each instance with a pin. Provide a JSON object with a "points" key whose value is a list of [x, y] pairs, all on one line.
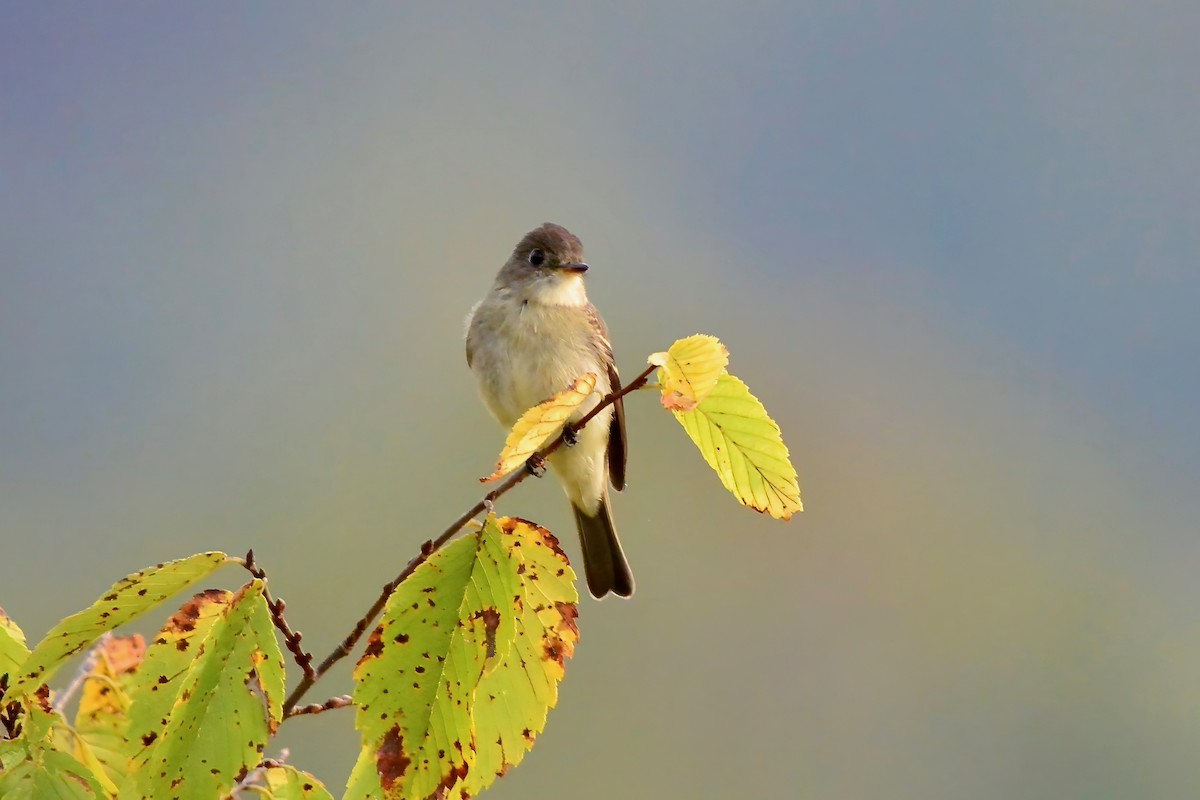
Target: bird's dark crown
{"points": [[558, 243]]}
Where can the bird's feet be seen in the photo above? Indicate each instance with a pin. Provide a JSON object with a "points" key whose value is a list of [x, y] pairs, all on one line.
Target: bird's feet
{"points": [[570, 435], [536, 465]]}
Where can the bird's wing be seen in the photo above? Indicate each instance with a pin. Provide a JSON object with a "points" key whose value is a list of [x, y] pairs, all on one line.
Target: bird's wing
{"points": [[468, 324], [617, 451]]}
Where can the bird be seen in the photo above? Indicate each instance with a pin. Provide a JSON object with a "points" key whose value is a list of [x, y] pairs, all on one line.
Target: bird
{"points": [[532, 335]]}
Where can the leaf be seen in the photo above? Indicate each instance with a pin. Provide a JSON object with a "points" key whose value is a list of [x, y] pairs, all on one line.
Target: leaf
{"points": [[67, 740], [228, 703], [745, 447], [127, 599], [439, 631], [102, 721], [13, 650], [34, 767], [512, 701], [458, 678], [285, 782], [157, 683], [688, 371], [539, 425]]}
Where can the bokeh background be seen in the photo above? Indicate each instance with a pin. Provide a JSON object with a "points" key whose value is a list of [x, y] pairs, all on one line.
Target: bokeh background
{"points": [[952, 247]]}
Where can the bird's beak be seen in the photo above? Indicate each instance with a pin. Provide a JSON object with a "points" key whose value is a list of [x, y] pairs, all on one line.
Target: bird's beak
{"points": [[579, 268]]}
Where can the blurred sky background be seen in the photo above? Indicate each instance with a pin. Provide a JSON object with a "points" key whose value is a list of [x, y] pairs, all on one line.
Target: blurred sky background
{"points": [[953, 248]]}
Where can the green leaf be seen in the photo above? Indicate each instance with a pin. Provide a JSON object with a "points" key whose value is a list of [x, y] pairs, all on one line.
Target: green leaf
{"points": [[745, 448], [458, 677], [157, 683], [228, 703], [102, 721], [688, 371], [447, 623], [35, 767], [13, 650], [513, 700], [127, 599], [285, 782]]}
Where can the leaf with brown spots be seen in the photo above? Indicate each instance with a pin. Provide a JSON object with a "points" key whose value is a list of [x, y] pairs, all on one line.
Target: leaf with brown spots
{"points": [[688, 371], [128, 599], [38, 764], [102, 721], [158, 681], [539, 425], [285, 782], [227, 700], [513, 700], [13, 650], [443, 628]]}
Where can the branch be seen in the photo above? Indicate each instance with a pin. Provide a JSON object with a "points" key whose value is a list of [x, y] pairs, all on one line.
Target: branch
{"points": [[291, 638], [340, 701], [431, 546]]}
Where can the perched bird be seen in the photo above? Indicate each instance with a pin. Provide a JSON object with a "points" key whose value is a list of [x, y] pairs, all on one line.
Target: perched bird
{"points": [[531, 336]]}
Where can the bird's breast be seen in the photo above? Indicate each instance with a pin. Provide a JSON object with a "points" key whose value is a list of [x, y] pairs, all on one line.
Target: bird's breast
{"points": [[525, 352]]}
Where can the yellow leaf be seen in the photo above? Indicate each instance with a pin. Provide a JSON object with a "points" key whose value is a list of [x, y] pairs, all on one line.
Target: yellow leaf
{"points": [[539, 425], [744, 446], [102, 721], [689, 370]]}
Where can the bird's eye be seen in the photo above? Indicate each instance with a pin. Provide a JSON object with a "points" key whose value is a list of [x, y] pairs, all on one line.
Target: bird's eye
{"points": [[537, 257]]}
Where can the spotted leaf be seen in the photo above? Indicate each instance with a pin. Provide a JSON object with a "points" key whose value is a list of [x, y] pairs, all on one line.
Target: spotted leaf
{"points": [[227, 705], [126, 600], [451, 621]]}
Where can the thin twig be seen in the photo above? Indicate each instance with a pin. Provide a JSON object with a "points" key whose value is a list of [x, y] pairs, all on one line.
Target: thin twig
{"points": [[340, 701], [431, 546], [291, 638]]}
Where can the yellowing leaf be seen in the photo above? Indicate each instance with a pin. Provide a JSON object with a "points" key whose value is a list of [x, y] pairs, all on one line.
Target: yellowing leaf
{"points": [[35, 766], [688, 371], [539, 425], [744, 446], [157, 683], [457, 679], [512, 701], [229, 702], [415, 681], [126, 600], [285, 782], [13, 650], [102, 721]]}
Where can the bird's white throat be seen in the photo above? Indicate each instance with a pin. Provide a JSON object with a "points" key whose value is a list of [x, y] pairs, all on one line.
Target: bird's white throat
{"points": [[565, 291]]}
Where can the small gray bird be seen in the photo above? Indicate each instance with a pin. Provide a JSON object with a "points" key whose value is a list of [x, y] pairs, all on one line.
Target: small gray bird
{"points": [[531, 336]]}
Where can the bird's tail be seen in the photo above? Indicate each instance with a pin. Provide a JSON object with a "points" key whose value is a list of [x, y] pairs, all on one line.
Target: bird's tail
{"points": [[603, 561]]}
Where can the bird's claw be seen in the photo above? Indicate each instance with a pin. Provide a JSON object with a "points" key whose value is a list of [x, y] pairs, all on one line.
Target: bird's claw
{"points": [[536, 465], [570, 435]]}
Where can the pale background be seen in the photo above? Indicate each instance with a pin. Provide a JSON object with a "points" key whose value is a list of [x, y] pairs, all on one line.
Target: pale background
{"points": [[952, 247]]}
